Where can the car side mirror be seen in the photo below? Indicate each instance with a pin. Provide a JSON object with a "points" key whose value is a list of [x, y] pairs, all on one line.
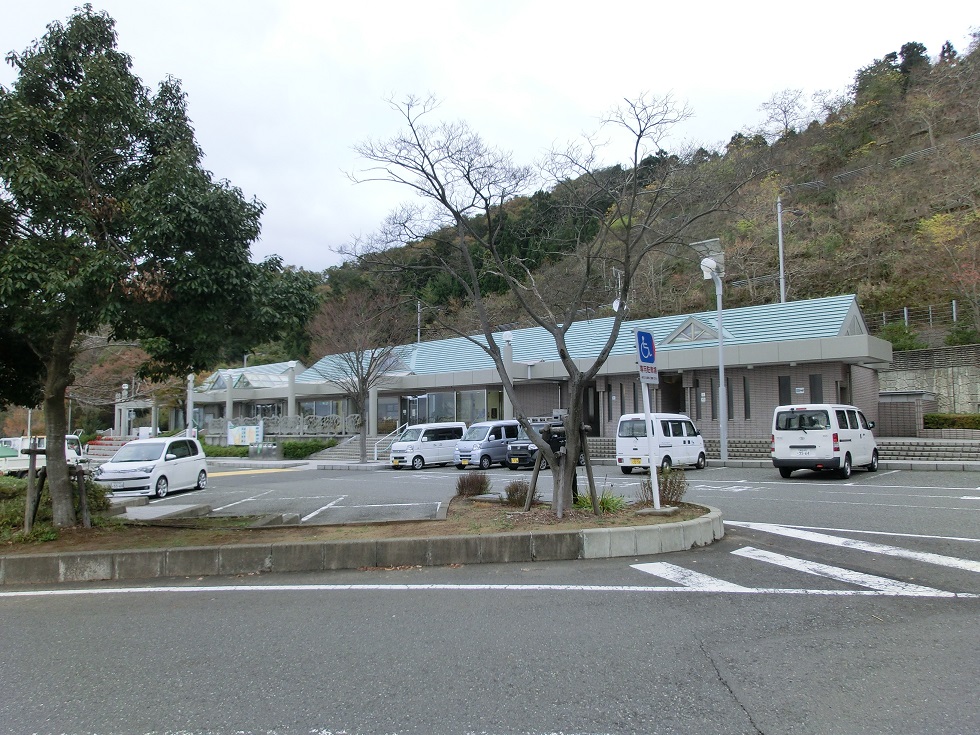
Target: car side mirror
{"points": [[170, 457], [871, 424], [425, 438]]}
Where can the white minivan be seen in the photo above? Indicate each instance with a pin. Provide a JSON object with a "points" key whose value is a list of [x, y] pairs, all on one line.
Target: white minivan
{"points": [[422, 444], [676, 440], [822, 436]]}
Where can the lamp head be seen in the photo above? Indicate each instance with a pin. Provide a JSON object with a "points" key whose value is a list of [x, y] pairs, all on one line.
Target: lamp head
{"points": [[708, 268]]}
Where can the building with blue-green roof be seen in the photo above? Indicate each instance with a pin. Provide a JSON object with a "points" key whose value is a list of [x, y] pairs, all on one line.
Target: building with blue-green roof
{"points": [[811, 351]]}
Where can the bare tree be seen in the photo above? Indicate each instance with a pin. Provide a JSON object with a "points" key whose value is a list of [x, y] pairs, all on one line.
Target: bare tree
{"points": [[605, 217], [358, 332]]}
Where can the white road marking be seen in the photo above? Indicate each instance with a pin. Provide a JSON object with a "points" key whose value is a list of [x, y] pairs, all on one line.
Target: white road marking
{"points": [[847, 543], [320, 510], [724, 587], [886, 533], [245, 500], [691, 580], [882, 584]]}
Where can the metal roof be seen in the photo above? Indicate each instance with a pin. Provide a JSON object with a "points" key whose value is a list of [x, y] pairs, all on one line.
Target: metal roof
{"points": [[832, 316]]}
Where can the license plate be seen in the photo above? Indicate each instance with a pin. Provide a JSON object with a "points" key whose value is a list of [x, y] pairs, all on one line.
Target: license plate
{"points": [[115, 486], [394, 463], [514, 460], [634, 460], [802, 452], [464, 462]]}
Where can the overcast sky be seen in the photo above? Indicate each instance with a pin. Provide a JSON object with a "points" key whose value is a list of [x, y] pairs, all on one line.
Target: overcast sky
{"points": [[279, 92]]}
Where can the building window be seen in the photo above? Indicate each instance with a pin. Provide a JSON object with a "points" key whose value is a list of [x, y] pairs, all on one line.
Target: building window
{"points": [[697, 399], [785, 390], [729, 399], [714, 400], [745, 398], [816, 388]]}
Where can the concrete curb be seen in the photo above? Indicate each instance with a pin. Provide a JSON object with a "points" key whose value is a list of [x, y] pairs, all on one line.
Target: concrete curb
{"points": [[917, 465], [319, 556]]}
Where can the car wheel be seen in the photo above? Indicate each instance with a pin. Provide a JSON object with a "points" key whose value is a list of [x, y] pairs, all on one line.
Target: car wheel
{"points": [[627, 470], [702, 462], [162, 487], [485, 462], [418, 462], [845, 469], [581, 459], [873, 467], [665, 463], [544, 462], [202, 480], [785, 472]]}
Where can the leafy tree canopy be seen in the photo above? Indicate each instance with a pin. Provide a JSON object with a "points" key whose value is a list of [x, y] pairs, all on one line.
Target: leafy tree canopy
{"points": [[111, 223]]}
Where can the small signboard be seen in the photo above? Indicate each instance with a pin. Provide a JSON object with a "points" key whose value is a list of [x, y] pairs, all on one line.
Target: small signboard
{"points": [[646, 358]]}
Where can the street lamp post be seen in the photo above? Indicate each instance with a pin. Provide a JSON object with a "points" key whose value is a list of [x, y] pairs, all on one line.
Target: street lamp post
{"points": [[782, 267], [711, 270]]}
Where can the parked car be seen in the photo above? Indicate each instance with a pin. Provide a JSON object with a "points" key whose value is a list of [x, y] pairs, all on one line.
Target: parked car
{"points": [[522, 451], [822, 436], [485, 444], [155, 467], [423, 444], [676, 441]]}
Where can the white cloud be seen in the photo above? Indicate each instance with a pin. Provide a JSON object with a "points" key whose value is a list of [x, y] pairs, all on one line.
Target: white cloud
{"points": [[280, 92]]}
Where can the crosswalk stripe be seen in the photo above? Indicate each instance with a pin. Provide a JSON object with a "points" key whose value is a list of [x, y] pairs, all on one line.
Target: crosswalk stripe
{"points": [[848, 543], [691, 580], [881, 584]]}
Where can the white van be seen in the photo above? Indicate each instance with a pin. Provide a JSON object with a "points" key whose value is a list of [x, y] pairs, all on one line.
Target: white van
{"points": [[822, 436], [676, 440], [422, 444]]}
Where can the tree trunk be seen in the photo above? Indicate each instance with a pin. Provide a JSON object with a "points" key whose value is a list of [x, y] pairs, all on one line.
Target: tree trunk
{"points": [[57, 379]]}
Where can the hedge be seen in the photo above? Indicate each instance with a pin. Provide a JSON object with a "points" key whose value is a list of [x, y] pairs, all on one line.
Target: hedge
{"points": [[952, 420]]}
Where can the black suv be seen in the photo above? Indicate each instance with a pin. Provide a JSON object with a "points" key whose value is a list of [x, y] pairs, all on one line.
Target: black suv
{"points": [[522, 451]]}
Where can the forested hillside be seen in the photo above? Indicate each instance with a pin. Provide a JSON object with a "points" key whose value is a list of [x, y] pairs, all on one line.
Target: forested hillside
{"points": [[879, 189]]}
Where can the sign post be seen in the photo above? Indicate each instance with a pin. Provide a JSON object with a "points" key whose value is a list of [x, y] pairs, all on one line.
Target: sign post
{"points": [[646, 358]]}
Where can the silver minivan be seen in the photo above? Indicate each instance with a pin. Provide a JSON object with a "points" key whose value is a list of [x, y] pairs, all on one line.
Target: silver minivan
{"points": [[485, 444], [822, 436], [423, 444]]}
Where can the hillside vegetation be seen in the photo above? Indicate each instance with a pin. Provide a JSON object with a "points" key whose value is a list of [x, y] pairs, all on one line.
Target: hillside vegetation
{"points": [[879, 188]]}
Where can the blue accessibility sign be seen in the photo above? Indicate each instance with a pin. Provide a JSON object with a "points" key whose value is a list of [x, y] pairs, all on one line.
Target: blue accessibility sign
{"points": [[646, 356]]}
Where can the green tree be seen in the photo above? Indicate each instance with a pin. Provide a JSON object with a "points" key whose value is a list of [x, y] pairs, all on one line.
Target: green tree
{"points": [[115, 226]]}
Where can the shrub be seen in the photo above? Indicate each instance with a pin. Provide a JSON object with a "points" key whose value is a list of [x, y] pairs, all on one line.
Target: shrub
{"points": [[901, 337], [672, 484], [470, 484], [608, 503], [962, 334], [213, 450], [951, 421], [13, 501], [516, 492], [302, 449]]}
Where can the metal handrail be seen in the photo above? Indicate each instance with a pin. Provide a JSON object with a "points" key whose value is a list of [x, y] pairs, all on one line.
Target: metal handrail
{"points": [[382, 440]]}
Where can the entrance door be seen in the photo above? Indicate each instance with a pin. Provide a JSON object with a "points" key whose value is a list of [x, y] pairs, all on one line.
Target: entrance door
{"points": [[672, 394]]}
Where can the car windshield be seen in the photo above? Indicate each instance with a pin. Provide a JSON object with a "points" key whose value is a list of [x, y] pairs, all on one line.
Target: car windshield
{"points": [[139, 452], [804, 419], [410, 435], [476, 433], [523, 435]]}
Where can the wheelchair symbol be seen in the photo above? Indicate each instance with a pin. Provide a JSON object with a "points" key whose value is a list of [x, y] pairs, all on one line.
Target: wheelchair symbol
{"points": [[647, 351]]}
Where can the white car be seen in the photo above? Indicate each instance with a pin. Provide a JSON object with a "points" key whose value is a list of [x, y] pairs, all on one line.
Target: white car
{"points": [[155, 467], [822, 436]]}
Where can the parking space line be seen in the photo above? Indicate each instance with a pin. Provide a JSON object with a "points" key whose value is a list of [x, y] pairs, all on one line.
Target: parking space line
{"points": [[245, 500], [320, 510]]}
